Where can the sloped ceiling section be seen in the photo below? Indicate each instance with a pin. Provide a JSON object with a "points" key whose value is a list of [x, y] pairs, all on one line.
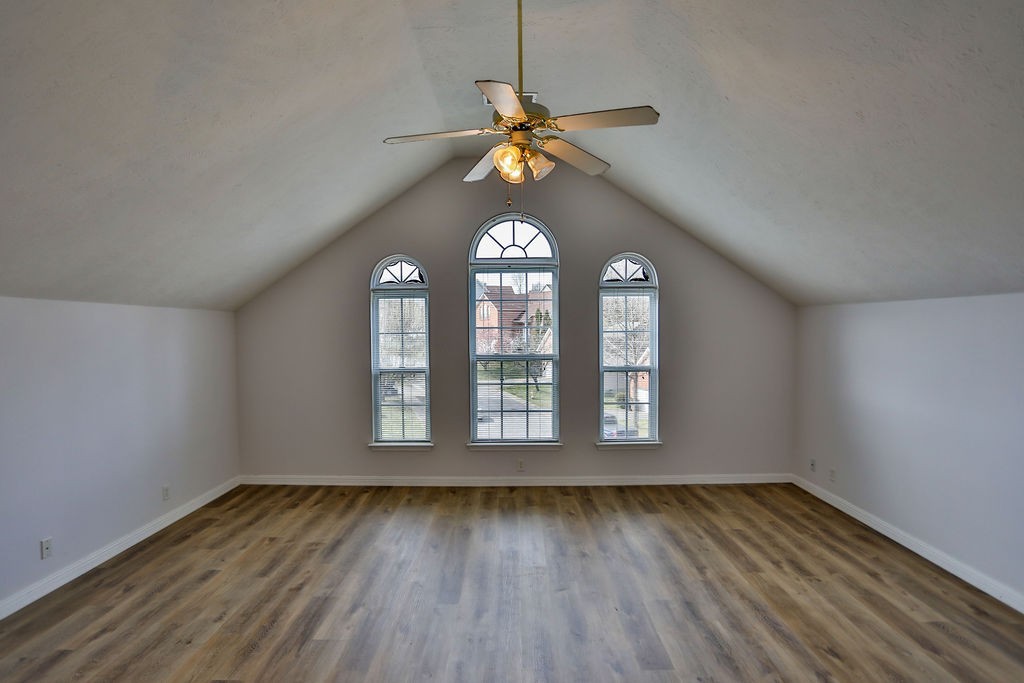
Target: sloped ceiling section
{"points": [[190, 153]]}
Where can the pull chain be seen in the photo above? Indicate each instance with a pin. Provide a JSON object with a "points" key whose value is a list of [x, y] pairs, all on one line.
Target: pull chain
{"points": [[522, 200]]}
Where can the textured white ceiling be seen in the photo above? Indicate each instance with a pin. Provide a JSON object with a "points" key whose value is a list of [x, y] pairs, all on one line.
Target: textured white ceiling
{"points": [[189, 153]]}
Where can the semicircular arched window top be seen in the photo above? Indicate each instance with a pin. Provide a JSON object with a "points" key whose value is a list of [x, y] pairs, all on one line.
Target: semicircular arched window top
{"points": [[398, 270], [628, 269], [511, 237]]}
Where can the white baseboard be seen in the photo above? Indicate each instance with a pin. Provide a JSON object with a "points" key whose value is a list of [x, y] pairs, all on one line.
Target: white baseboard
{"points": [[979, 580], [15, 602], [600, 480]]}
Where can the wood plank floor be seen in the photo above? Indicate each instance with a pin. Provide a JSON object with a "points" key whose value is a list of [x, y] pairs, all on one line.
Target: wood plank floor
{"points": [[652, 583]]}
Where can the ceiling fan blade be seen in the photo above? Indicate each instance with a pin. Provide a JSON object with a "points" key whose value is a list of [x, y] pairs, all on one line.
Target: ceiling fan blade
{"points": [[504, 98], [609, 118], [483, 167], [438, 136], [566, 151]]}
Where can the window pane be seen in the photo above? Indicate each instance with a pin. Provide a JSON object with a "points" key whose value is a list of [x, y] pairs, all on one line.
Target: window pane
{"points": [[415, 350], [637, 346], [626, 410], [541, 425], [390, 350], [488, 426], [403, 406], [514, 400], [613, 313], [391, 423], [486, 314], [414, 314], [525, 233], [614, 348], [614, 389], [488, 397], [538, 247], [403, 388], [488, 248], [514, 426], [502, 233], [512, 283], [390, 312], [488, 341], [414, 388], [540, 283], [539, 396], [538, 339], [638, 312], [398, 423]]}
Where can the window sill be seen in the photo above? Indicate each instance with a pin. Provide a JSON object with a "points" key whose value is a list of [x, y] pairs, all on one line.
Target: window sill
{"points": [[623, 445], [514, 445], [401, 445]]}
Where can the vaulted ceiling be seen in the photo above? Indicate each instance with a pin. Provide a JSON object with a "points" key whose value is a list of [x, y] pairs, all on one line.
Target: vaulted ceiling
{"points": [[189, 153]]}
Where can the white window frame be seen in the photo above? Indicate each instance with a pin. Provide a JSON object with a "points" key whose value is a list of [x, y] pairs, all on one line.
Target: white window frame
{"points": [[511, 263], [393, 279], [645, 284]]}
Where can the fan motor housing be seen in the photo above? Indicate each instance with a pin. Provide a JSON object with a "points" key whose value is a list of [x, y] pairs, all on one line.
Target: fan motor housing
{"points": [[536, 115]]}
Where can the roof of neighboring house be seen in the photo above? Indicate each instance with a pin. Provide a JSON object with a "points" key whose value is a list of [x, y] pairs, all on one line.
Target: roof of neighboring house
{"points": [[512, 306]]}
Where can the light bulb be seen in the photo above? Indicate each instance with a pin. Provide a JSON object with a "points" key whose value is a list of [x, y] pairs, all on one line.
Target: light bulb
{"points": [[515, 176], [539, 164], [507, 158]]}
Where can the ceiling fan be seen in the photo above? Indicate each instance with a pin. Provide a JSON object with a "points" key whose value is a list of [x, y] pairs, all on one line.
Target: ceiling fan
{"points": [[527, 124]]}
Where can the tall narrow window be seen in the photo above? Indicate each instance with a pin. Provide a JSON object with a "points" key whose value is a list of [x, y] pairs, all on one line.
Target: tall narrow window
{"points": [[399, 329], [513, 331], [629, 349]]}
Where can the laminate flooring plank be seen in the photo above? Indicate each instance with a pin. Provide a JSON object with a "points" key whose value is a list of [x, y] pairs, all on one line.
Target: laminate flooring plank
{"points": [[585, 535]]}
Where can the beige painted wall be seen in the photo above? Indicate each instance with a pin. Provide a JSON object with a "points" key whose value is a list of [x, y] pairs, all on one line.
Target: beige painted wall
{"points": [[727, 344]]}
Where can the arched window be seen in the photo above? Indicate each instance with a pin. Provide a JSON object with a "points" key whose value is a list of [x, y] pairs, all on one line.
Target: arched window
{"points": [[399, 329], [629, 349], [513, 331]]}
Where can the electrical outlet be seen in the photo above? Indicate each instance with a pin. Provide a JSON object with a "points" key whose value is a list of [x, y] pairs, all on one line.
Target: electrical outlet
{"points": [[165, 491], [814, 465], [520, 466], [832, 475], [45, 548]]}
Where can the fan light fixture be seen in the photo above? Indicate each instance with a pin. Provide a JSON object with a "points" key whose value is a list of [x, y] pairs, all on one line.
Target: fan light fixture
{"points": [[515, 176], [539, 164], [507, 158], [510, 160]]}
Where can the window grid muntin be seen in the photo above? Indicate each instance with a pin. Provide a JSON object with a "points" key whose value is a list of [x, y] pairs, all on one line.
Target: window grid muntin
{"points": [[523, 233], [411, 290], [631, 361]]}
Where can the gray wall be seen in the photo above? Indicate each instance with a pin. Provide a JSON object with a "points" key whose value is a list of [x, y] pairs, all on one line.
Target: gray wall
{"points": [[727, 344], [918, 406], [101, 406]]}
